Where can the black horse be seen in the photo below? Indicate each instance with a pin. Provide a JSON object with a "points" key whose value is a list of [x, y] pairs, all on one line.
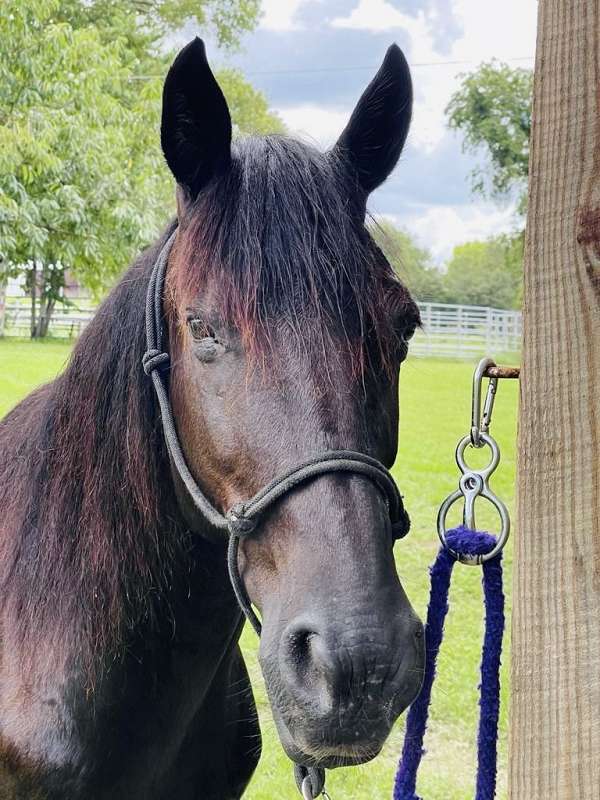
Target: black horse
{"points": [[120, 671]]}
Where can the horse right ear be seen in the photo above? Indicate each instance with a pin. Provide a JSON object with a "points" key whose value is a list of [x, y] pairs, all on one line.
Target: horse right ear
{"points": [[195, 130]]}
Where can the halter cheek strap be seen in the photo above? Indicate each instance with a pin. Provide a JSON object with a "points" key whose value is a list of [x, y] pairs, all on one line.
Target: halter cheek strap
{"points": [[244, 518]]}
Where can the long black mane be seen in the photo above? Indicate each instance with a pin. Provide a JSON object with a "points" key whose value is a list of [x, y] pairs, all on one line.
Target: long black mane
{"points": [[88, 517]]}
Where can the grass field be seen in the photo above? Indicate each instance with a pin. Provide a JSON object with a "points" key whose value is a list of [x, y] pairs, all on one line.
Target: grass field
{"points": [[435, 413]]}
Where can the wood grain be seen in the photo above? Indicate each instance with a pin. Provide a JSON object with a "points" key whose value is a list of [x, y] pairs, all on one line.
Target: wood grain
{"points": [[555, 709]]}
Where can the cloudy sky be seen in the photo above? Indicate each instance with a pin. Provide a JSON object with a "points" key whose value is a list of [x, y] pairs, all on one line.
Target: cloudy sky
{"points": [[313, 58]]}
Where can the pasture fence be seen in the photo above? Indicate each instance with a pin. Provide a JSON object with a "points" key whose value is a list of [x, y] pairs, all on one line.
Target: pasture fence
{"points": [[449, 331], [457, 331]]}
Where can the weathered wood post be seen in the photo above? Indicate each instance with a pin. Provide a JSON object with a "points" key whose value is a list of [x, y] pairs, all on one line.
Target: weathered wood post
{"points": [[555, 714]]}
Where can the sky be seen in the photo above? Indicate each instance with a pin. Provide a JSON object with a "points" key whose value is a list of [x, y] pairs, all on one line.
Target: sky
{"points": [[313, 58]]}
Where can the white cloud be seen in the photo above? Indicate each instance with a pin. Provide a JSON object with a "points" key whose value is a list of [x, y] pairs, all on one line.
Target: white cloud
{"points": [[441, 228], [504, 30], [315, 123], [375, 15], [280, 15]]}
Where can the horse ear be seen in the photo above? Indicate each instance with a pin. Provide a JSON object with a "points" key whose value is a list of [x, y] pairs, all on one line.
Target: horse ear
{"points": [[374, 137], [195, 130]]}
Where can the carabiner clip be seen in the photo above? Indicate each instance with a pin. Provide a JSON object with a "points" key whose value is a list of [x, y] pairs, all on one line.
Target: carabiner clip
{"points": [[480, 423], [474, 483]]}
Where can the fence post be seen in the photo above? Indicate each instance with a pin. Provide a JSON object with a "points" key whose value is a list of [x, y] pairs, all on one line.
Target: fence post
{"points": [[555, 710]]}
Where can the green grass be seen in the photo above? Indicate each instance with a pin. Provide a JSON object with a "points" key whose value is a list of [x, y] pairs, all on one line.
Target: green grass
{"points": [[25, 365], [435, 413]]}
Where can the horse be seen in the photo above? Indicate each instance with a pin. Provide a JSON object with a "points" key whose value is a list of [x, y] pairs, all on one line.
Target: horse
{"points": [[121, 674]]}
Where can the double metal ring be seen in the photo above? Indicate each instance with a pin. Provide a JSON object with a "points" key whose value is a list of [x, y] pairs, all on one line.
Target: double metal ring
{"points": [[473, 484]]}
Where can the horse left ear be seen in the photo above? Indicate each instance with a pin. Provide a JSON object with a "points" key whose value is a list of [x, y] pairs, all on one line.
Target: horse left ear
{"points": [[195, 130], [374, 137]]}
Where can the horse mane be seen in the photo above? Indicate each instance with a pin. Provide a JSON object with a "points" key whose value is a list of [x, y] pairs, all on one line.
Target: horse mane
{"points": [[88, 524], [281, 234]]}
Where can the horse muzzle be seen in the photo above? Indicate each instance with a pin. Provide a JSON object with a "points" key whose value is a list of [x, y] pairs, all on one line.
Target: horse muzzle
{"points": [[336, 691]]}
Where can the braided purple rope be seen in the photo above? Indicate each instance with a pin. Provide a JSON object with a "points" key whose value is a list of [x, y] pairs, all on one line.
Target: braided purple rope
{"points": [[467, 542]]}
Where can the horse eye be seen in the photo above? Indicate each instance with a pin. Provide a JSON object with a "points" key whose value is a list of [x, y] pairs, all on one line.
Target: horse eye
{"points": [[408, 334], [200, 329]]}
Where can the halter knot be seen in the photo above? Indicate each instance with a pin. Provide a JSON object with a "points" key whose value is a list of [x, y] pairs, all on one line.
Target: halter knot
{"points": [[238, 524], [152, 359]]}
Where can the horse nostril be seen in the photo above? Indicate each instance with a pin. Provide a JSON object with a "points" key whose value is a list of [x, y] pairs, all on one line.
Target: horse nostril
{"points": [[299, 648], [308, 665]]}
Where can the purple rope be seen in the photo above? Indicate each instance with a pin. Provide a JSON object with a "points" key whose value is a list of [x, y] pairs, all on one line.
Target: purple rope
{"points": [[467, 542]]}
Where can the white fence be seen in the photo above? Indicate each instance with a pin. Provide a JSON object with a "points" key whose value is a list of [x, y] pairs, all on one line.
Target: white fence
{"points": [[66, 321], [449, 331]]}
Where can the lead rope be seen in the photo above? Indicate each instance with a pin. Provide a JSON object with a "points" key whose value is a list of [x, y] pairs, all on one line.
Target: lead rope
{"points": [[242, 520], [469, 546], [473, 544]]}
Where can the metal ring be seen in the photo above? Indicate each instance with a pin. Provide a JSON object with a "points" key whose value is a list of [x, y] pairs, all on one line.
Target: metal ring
{"points": [[502, 536], [469, 493], [306, 789], [486, 439]]}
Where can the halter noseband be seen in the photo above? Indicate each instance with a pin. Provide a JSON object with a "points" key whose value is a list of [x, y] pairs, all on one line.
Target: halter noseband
{"points": [[242, 520]]}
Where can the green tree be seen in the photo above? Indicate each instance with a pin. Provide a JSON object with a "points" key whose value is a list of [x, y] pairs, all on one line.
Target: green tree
{"points": [[69, 126], [492, 109], [487, 273], [146, 22], [412, 264], [83, 185]]}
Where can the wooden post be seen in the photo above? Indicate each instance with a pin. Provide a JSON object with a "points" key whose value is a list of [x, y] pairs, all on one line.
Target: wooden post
{"points": [[555, 712]]}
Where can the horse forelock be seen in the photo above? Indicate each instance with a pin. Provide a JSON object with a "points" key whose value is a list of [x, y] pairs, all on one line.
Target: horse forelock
{"points": [[282, 236]]}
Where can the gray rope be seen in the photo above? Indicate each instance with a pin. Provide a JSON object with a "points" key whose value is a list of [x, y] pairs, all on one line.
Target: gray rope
{"points": [[243, 518], [154, 358]]}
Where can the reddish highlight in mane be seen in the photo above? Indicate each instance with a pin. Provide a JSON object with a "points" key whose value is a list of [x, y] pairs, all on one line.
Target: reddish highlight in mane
{"points": [[83, 545], [283, 243]]}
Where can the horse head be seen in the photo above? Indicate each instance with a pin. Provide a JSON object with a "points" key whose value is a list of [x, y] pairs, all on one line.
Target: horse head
{"points": [[287, 328]]}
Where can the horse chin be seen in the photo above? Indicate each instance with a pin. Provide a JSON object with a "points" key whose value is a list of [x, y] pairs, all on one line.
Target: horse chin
{"points": [[323, 753]]}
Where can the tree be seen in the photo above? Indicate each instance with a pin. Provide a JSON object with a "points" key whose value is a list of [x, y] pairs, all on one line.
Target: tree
{"points": [[492, 109], [83, 185], [412, 264], [486, 273], [69, 126], [145, 23]]}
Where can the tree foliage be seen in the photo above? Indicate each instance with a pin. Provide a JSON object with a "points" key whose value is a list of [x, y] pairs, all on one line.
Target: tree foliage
{"points": [[412, 264], [83, 185], [484, 273], [492, 109], [249, 108], [487, 273], [147, 21], [79, 173]]}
